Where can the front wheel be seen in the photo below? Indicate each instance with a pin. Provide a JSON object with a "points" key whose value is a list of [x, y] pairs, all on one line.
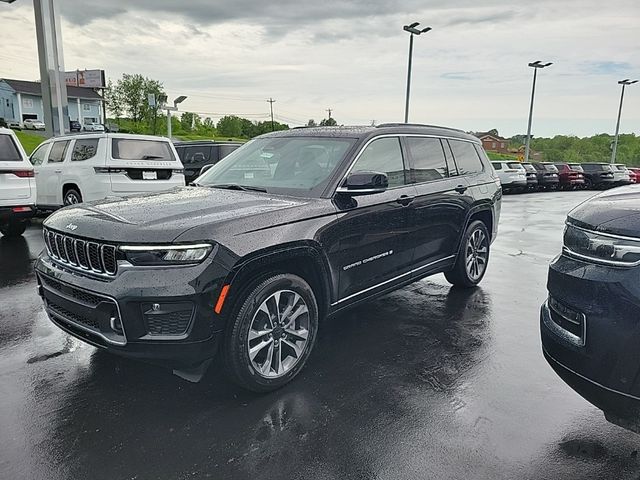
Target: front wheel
{"points": [[473, 257], [271, 333]]}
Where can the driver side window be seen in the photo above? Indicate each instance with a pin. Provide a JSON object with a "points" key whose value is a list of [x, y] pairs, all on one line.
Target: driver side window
{"points": [[38, 156], [384, 155]]}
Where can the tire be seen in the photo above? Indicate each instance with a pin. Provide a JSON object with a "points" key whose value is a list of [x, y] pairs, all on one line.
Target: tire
{"points": [[263, 372], [71, 197], [460, 275], [14, 229]]}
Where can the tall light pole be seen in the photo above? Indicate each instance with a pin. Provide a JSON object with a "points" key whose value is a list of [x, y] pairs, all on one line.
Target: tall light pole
{"points": [[178, 100], [535, 65], [624, 83], [412, 31]]}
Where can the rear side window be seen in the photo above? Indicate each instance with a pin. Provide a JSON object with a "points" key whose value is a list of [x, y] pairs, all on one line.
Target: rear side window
{"points": [[38, 156], [428, 158], [196, 154], [224, 150], [576, 168], [8, 150], [383, 155], [58, 152], [134, 149], [84, 149], [497, 165], [550, 168], [466, 157]]}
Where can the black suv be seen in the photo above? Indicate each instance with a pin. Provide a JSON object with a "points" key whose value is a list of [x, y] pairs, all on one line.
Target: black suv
{"points": [[293, 227], [598, 175], [547, 174], [198, 154], [590, 323]]}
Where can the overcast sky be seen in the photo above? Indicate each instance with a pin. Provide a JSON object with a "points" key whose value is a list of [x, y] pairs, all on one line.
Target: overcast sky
{"points": [[470, 71]]}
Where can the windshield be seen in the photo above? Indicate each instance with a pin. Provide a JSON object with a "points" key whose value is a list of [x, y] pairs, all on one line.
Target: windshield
{"points": [[133, 149], [293, 165], [8, 150]]}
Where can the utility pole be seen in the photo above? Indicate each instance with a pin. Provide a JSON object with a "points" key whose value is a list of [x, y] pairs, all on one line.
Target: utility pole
{"points": [[271, 102], [329, 110], [614, 150], [535, 65]]}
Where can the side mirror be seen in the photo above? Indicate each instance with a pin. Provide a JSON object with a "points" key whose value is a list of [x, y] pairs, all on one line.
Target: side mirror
{"points": [[205, 168], [364, 183]]}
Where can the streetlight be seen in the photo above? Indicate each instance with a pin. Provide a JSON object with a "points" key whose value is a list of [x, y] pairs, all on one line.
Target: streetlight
{"points": [[535, 65], [412, 31], [178, 100], [624, 83]]}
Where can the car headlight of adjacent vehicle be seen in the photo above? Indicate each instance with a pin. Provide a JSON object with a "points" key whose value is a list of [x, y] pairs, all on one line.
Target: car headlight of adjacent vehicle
{"points": [[600, 247], [154, 255]]}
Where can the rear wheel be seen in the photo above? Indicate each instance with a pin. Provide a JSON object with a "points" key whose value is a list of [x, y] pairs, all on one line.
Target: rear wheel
{"points": [[271, 333], [71, 197], [14, 229], [473, 257]]}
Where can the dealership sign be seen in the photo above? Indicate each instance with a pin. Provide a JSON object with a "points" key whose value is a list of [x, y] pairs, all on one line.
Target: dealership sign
{"points": [[85, 78]]}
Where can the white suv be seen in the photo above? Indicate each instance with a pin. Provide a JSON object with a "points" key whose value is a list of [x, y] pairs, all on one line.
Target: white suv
{"points": [[513, 176], [17, 186], [77, 168]]}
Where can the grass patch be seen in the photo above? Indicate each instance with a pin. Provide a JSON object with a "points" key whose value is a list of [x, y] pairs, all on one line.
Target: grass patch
{"points": [[502, 156], [29, 141]]}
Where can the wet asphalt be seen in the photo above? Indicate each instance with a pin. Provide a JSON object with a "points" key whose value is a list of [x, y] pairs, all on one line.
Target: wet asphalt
{"points": [[426, 382]]}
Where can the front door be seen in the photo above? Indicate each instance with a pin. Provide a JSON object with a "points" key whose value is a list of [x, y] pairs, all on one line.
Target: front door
{"points": [[442, 202], [374, 228]]}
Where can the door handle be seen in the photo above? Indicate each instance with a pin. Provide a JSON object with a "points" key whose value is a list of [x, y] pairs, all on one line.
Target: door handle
{"points": [[461, 189], [404, 200]]}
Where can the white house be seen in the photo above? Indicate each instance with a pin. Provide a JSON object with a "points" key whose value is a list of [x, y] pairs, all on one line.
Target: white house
{"points": [[20, 100]]}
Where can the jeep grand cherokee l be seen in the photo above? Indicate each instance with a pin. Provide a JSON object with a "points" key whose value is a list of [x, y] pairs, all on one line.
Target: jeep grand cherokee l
{"points": [[292, 227], [590, 324]]}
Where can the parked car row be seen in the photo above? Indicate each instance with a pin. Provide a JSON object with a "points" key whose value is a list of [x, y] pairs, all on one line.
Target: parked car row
{"points": [[518, 177]]}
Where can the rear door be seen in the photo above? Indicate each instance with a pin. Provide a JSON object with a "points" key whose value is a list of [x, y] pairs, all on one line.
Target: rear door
{"points": [[441, 203], [16, 174], [140, 165], [50, 173], [374, 229]]}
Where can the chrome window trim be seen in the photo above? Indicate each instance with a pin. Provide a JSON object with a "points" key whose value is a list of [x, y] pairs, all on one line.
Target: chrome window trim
{"points": [[398, 135]]}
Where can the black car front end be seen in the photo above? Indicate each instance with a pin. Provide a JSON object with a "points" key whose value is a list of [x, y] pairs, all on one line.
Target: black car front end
{"points": [[590, 323], [159, 313]]}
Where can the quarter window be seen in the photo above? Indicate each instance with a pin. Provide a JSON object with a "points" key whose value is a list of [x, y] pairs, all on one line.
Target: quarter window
{"points": [[383, 155], [467, 158], [37, 157], [428, 159], [497, 166], [84, 149], [58, 152]]}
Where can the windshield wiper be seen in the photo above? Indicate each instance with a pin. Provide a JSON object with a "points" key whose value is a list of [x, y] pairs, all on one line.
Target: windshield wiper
{"points": [[235, 186]]}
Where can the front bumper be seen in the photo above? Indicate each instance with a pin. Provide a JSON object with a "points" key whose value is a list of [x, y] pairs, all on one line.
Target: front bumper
{"points": [[161, 315], [600, 359]]}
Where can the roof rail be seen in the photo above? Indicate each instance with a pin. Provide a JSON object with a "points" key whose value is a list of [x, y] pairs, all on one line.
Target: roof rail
{"points": [[398, 124]]}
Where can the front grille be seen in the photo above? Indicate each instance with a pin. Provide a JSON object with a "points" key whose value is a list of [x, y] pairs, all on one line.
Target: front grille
{"points": [[81, 295], [66, 314], [84, 255]]}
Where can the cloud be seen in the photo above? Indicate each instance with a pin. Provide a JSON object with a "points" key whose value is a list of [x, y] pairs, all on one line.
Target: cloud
{"points": [[605, 67]]}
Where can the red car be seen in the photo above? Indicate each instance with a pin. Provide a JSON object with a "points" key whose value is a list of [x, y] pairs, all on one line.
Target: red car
{"points": [[634, 174], [571, 176]]}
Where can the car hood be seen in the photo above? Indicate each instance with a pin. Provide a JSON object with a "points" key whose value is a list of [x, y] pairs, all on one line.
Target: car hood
{"points": [[615, 211], [164, 216]]}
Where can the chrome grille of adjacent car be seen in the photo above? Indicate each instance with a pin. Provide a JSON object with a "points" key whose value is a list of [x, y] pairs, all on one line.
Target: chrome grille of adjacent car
{"points": [[81, 254]]}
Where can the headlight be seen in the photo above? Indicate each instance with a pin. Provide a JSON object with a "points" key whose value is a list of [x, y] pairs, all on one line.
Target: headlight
{"points": [[601, 247], [166, 254]]}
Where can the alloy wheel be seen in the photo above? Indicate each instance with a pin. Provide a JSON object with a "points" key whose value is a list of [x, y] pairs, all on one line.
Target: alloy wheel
{"points": [[278, 334], [476, 254], [71, 199]]}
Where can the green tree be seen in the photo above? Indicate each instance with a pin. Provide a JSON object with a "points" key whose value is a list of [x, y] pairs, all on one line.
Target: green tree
{"points": [[113, 100], [190, 122], [328, 122], [312, 123], [131, 96], [230, 126]]}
